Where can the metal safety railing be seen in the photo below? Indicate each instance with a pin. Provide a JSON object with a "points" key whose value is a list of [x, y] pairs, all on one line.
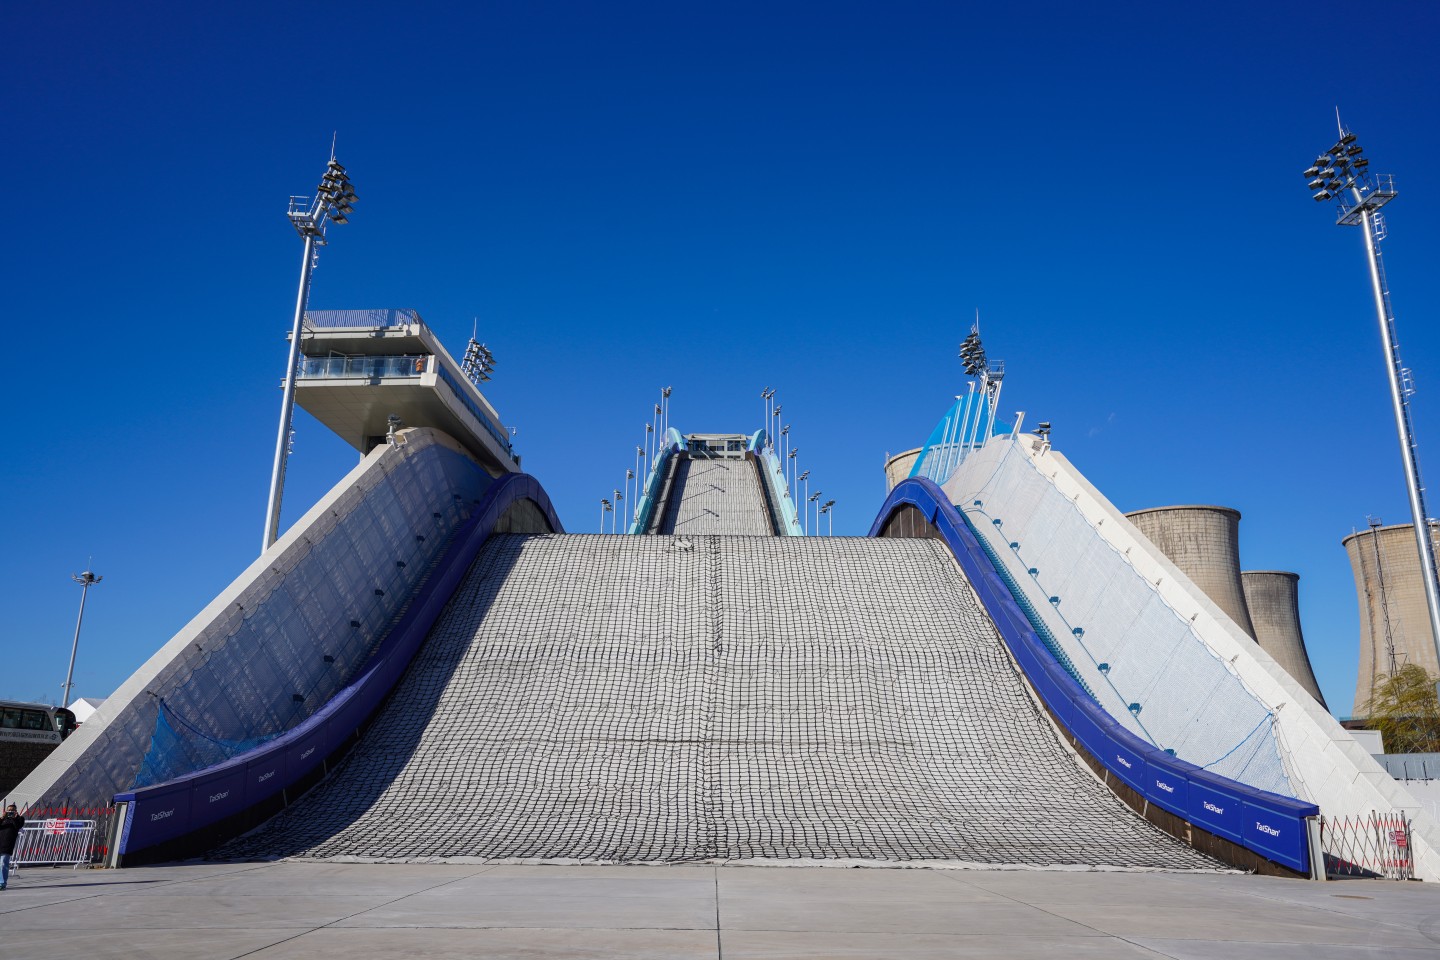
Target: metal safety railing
{"points": [[63, 836], [1372, 845], [57, 842]]}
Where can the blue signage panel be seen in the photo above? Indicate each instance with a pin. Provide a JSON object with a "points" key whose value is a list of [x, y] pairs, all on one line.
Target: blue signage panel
{"points": [[265, 776], [306, 752], [216, 796], [158, 815], [1216, 810], [1167, 788], [1279, 836], [1126, 764]]}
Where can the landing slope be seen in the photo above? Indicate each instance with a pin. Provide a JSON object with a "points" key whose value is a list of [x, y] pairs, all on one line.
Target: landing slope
{"points": [[690, 698]]}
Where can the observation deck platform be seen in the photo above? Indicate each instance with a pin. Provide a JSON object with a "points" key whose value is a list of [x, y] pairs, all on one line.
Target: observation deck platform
{"points": [[359, 367]]}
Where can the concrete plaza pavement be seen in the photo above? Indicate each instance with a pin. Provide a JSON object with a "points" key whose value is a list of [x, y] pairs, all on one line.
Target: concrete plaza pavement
{"points": [[318, 910]]}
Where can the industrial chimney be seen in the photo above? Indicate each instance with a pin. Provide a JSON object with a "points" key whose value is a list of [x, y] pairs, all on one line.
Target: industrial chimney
{"points": [[1204, 542], [1272, 597], [898, 467], [1394, 617]]}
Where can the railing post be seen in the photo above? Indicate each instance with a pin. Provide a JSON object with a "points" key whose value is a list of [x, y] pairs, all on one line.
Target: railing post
{"points": [[1314, 830]]}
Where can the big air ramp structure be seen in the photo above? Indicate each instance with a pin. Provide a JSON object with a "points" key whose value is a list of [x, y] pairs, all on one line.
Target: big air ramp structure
{"points": [[536, 696]]}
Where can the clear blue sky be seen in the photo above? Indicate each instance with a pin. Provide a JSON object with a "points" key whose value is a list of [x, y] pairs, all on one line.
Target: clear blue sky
{"points": [[721, 197]]}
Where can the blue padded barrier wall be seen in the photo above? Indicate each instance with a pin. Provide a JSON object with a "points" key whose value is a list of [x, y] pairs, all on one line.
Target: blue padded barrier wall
{"points": [[187, 804], [1267, 823]]}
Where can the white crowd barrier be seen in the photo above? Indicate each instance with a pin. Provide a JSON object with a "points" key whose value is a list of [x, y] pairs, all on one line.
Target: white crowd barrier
{"points": [[55, 842]]}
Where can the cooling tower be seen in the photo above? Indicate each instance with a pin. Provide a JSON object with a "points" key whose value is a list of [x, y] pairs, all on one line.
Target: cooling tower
{"points": [[1204, 542], [1390, 590], [898, 467], [1272, 597]]}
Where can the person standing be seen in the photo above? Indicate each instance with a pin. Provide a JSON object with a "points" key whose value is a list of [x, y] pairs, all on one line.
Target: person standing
{"points": [[10, 825]]}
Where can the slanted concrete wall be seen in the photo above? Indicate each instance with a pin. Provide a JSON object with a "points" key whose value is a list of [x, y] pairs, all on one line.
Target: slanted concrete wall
{"points": [[328, 588], [1325, 763]]}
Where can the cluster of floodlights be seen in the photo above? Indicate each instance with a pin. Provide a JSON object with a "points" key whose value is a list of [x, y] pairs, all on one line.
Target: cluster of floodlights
{"points": [[479, 362], [334, 201], [1336, 169], [973, 354]]}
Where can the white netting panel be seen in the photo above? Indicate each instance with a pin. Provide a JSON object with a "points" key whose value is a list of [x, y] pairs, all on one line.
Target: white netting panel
{"points": [[695, 698], [1134, 649]]}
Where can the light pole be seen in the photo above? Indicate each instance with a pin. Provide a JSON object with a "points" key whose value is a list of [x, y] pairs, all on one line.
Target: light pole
{"points": [[828, 507], [815, 499], [630, 475], [790, 467], [615, 521], [765, 396], [1340, 174], [805, 479], [604, 509], [333, 201], [665, 415], [86, 581]]}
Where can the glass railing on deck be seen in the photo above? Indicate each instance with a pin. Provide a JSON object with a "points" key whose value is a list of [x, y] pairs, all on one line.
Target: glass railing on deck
{"points": [[374, 368], [360, 368]]}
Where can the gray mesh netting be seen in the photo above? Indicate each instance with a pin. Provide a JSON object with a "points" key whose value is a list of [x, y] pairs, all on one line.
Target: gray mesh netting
{"points": [[1145, 663], [693, 698]]}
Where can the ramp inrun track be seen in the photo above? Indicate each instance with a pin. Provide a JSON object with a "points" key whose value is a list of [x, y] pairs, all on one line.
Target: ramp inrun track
{"points": [[693, 698], [715, 496]]}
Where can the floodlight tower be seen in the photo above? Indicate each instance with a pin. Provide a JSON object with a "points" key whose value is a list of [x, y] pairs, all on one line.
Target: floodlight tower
{"points": [[967, 433], [479, 362], [86, 580], [1340, 174], [333, 202]]}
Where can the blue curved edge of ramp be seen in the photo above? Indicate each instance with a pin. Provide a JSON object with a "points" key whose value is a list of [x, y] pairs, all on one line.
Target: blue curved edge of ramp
{"points": [[1267, 823], [171, 810]]}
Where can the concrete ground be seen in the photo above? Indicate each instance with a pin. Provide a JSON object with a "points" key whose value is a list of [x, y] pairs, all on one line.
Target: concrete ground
{"points": [[320, 910]]}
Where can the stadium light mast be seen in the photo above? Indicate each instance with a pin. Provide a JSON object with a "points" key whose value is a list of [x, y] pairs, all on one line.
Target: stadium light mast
{"points": [[333, 202], [803, 501], [86, 580], [1340, 174]]}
